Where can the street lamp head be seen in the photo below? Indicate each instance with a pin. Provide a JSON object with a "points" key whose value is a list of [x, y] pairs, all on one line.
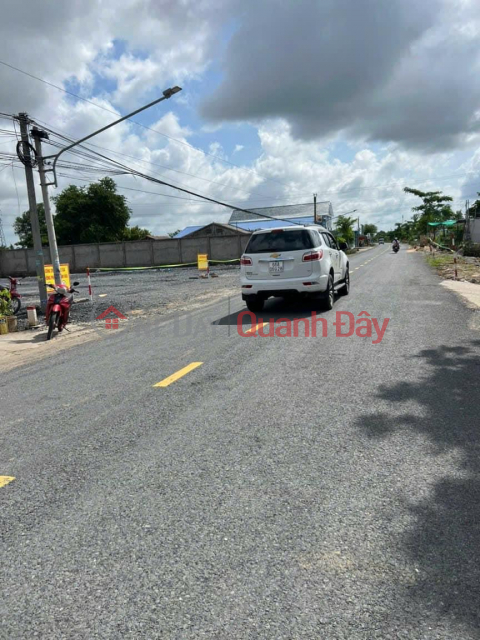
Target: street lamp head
{"points": [[168, 93]]}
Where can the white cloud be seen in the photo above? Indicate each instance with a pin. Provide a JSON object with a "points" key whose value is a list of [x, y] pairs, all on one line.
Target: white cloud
{"points": [[168, 41]]}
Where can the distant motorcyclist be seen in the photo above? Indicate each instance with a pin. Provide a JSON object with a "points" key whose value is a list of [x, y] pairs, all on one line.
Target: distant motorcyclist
{"points": [[396, 244]]}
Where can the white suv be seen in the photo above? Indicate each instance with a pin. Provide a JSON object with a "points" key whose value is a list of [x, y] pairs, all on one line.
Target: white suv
{"points": [[293, 260]]}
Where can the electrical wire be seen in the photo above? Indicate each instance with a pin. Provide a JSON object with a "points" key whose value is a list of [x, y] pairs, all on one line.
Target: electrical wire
{"points": [[208, 199], [165, 195], [201, 196], [16, 189], [189, 192], [390, 186], [148, 162], [205, 153]]}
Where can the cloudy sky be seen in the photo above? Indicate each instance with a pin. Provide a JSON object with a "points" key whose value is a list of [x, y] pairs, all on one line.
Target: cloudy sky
{"points": [[351, 99]]}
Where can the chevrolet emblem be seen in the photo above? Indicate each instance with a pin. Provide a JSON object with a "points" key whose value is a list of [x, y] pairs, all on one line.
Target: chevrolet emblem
{"points": [[275, 255]]}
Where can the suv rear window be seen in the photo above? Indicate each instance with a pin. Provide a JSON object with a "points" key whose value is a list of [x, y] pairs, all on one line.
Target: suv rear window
{"points": [[282, 240]]}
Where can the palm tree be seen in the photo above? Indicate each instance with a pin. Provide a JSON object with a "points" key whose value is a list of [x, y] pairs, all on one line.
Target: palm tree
{"points": [[344, 229]]}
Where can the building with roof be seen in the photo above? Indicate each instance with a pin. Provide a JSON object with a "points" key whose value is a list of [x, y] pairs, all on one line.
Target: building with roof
{"points": [[150, 237], [216, 229], [284, 215]]}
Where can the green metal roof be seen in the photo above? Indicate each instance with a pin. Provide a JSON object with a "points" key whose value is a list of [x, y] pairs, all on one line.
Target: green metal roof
{"points": [[446, 223]]}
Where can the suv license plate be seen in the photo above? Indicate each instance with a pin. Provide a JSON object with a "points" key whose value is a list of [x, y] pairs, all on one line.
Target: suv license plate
{"points": [[275, 267]]}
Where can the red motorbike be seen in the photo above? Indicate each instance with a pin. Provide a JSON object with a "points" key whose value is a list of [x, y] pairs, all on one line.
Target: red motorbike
{"points": [[58, 307], [15, 297]]}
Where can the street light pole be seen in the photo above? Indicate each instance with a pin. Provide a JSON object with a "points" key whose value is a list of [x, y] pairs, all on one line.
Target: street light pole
{"points": [[32, 204], [168, 93], [38, 135]]}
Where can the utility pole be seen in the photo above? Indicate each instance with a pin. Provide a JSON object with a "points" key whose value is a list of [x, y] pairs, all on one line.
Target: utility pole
{"points": [[467, 233], [38, 135], [3, 242], [24, 150], [315, 208]]}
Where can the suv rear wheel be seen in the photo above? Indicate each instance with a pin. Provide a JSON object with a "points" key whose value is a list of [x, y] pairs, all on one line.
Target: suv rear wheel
{"points": [[329, 294], [255, 304], [345, 290]]}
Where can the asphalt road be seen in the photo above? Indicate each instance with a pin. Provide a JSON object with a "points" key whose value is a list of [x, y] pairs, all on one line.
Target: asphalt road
{"points": [[307, 487]]}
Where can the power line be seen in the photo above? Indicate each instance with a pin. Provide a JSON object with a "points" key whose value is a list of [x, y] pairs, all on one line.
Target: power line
{"points": [[188, 191], [46, 126], [165, 195], [391, 186], [187, 144], [16, 190]]}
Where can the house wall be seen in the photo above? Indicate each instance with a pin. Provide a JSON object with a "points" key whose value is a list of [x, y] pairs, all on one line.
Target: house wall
{"points": [[145, 253], [475, 229]]}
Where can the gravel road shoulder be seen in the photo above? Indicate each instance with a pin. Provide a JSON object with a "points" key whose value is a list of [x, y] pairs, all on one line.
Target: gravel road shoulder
{"points": [[137, 295]]}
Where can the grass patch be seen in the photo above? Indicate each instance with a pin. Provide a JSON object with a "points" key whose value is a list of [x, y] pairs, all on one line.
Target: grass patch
{"points": [[437, 261], [468, 269]]}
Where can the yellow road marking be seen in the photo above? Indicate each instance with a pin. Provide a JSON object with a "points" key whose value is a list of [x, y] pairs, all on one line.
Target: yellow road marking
{"points": [[102, 295], [6, 480], [256, 328], [178, 374]]}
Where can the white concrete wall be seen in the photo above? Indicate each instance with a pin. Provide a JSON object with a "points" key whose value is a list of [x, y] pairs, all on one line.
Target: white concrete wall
{"points": [[145, 253], [475, 230]]}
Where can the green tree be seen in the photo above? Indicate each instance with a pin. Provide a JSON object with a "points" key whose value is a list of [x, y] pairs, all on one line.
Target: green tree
{"points": [[344, 228], [23, 228], [434, 208], [371, 229], [475, 207], [135, 233], [96, 213]]}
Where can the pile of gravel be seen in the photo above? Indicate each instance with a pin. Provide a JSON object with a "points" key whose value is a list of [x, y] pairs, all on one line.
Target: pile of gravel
{"points": [[139, 293]]}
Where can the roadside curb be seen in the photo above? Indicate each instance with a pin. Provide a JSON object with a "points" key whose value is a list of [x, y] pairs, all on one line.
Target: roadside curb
{"points": [[24, 347], [468, 291], [362, 250]]}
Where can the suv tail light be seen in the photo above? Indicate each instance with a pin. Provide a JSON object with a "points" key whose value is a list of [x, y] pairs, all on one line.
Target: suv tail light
{"points": [[312, 255], [245, 261]]}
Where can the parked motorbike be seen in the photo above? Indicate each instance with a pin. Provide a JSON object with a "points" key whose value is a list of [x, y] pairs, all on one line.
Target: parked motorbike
{"points": [[58, 307], [15, 297]]}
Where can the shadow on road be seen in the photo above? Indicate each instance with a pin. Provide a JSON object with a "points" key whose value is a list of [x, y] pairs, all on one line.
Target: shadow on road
{"points": [[445, 541], [276, 309], [39, 337]]}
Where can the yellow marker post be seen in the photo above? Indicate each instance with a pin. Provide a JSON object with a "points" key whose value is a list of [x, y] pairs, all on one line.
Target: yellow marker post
{"points": [[179, 374], [4, 480], [202, 262]]}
